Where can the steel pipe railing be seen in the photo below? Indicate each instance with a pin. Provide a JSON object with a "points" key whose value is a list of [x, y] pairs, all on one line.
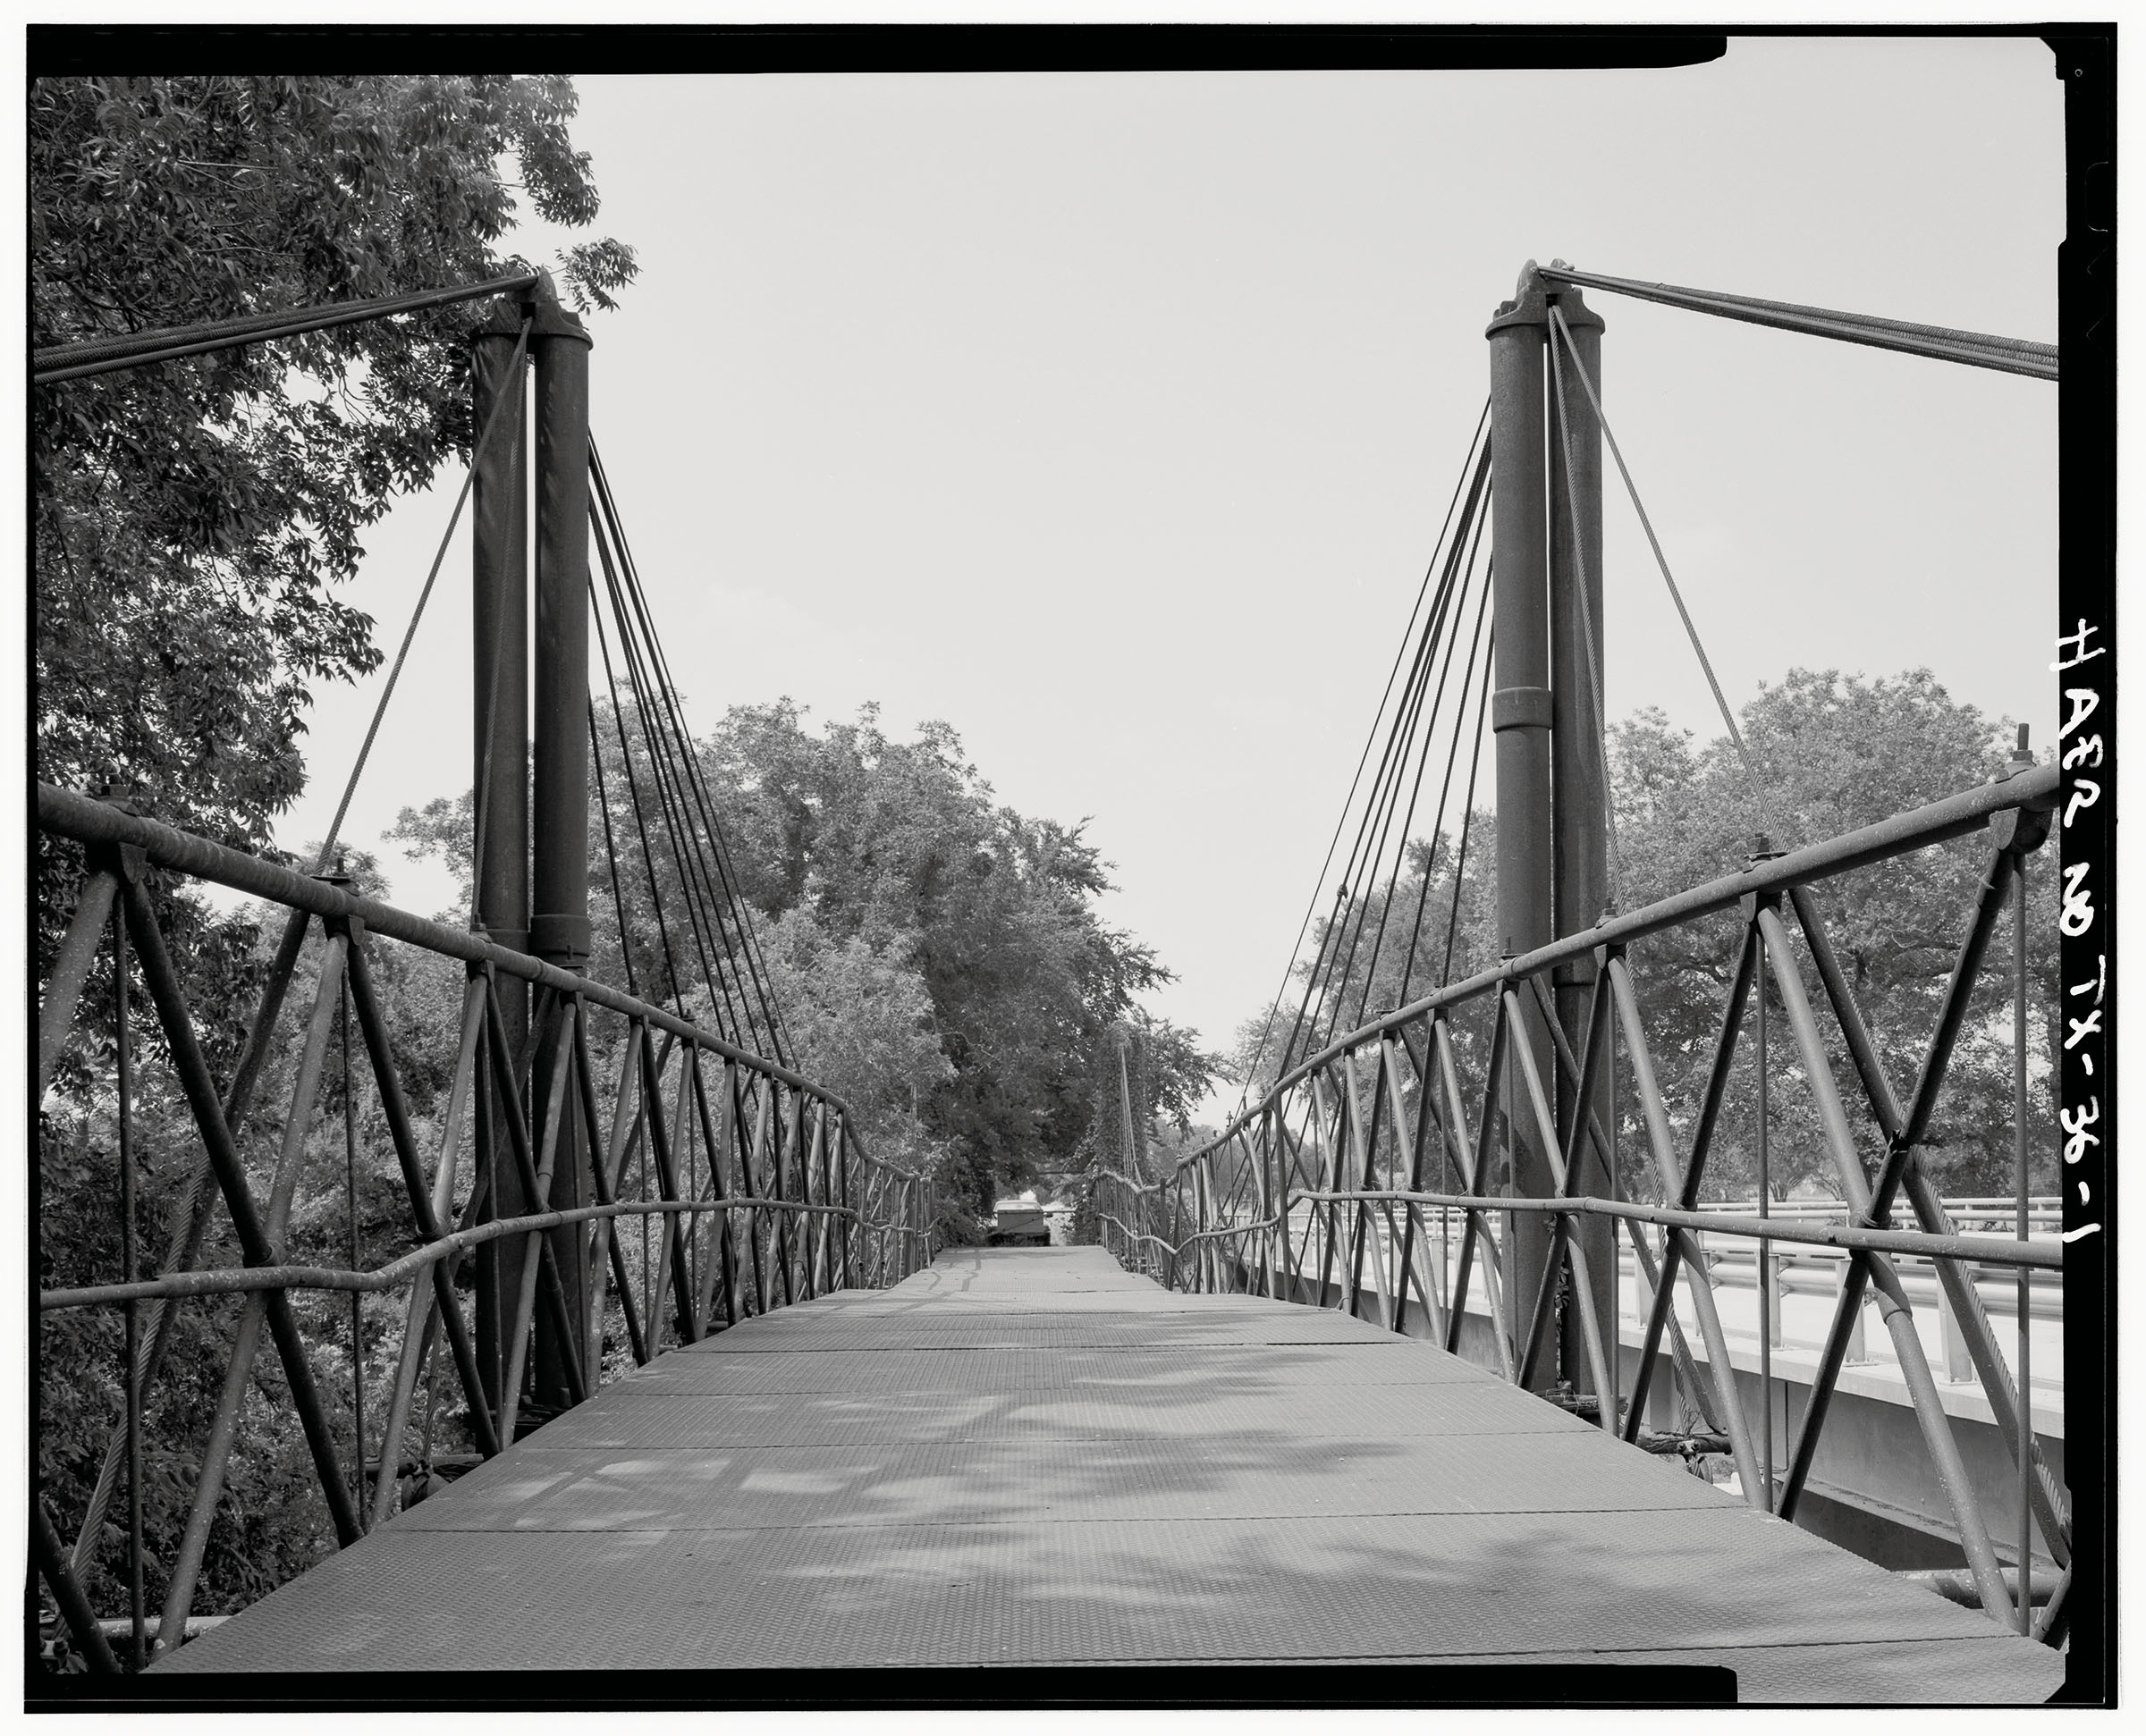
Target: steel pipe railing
{"points": [[759, 1179], [1280, 1202]]}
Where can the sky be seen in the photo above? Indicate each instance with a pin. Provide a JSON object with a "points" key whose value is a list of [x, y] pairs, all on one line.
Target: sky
{"points": [[1112, 418]]}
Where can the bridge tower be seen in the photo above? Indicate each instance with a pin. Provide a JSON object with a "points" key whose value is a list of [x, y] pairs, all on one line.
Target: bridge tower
{"points": [[532, 871], [1553, 878]]}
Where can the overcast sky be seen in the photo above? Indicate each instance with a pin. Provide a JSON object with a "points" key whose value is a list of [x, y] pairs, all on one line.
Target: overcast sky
{"points": [[1111, 419]]}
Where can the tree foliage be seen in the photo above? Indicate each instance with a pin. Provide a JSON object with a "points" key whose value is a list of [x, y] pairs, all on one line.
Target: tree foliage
{"points": [[901, 844], [1833, 753], [194, 517], [937, 957], [193, 522]]}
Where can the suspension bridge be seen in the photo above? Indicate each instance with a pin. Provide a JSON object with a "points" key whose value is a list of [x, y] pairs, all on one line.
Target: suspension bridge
{"points": [[1412, 1363]]}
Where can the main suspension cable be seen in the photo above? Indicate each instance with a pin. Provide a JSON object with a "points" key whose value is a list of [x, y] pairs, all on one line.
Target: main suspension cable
{"points": [[1937, 343], [1328, 983], [1357, 868], [707, 882], [611, 844], [654, 747], [1422, 763], [1453, 581], [669, 749], [74, 361], [1438, 828], [1460, 862], [1341, 821], [739, 906]]}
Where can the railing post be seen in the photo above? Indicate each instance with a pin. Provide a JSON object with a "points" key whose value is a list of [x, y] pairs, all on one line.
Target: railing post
{"points": [[1522, 718]]}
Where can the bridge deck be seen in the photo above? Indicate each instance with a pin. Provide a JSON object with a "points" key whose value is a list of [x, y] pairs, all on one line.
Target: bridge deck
{"points": [[1031, 1457]]}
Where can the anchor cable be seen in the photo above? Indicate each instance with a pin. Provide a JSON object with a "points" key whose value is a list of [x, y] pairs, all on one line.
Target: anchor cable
{"points": [[1668, 578], [395, 674]]}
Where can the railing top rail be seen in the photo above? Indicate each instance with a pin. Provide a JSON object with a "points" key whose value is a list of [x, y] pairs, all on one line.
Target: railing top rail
{"points": [[2037, 1255], [1918, 828], [237, 1280], [89, 821]]}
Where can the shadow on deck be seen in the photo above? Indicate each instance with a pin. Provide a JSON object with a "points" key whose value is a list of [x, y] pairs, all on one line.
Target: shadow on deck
{"points": [[1029, 1457]]}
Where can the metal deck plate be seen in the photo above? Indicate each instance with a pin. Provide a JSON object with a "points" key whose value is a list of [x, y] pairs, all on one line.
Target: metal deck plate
{"points": [[1227, 1367], [1050, 1482], [928, 1478]]}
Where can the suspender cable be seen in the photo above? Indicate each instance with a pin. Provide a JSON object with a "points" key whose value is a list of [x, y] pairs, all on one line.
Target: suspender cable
{"points": [[1939, 343]]}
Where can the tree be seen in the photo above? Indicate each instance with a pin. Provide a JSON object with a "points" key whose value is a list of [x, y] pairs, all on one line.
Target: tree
{"points": [[936, 957], [863, 1025], [1137, 1082], [193, 517], [193, 522], [1833, 753], [879, 839]]}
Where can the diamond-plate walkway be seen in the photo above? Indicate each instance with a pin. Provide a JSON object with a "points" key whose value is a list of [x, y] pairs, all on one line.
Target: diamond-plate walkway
{"points": [[1031, 1457]]}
